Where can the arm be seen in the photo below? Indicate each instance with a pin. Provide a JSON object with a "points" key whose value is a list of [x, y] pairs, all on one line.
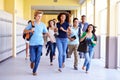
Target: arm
{"points": [[56, 29], [28, 31], [45, 31], [84, 35], [71, 39], [94, 42], [49, 37], [29, 28], [82, 38], [61, 28], [69, 32]]}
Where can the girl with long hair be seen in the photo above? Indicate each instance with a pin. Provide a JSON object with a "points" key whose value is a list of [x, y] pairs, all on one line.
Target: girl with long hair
{"points": [[91, 39], [62, 40]]}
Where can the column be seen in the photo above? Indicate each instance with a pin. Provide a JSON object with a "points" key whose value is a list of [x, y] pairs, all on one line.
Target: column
{"points": [[14, 30], [95, 22], [111, 40]]}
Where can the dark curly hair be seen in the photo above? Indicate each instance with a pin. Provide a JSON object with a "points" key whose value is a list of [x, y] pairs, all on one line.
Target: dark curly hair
{"points": [[67, 17]]}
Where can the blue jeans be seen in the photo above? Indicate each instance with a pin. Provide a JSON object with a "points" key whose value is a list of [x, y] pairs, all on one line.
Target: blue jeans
{"points": [[81, 55], [88, 56], [62, 46], [35, 54]]}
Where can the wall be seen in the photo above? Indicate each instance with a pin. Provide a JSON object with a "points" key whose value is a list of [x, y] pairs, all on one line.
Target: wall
{"points": [[20, 26], [14, 5], [19, 4], [22, 10], [46, 18], [5, 35], [9, 6], [1, 4], [6, 32]]}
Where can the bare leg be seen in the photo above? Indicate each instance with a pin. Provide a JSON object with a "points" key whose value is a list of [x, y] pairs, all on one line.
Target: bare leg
{"points": [[27, 48]]}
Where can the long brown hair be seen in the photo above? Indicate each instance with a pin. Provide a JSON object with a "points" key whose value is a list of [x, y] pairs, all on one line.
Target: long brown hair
{"points": [[49, 23], [93, 31]]}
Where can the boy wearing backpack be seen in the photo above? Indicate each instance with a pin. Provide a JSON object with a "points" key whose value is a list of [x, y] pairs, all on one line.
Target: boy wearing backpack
{"points": [[36, 41]]}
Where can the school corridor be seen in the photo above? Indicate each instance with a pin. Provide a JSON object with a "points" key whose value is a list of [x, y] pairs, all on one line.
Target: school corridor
{"points": [[19, 68], [104, 14]]}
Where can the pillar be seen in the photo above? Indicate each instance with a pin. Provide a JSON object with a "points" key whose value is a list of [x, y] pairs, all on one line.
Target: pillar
{"points": [[14, 30], [95, 22], [111, 39]]}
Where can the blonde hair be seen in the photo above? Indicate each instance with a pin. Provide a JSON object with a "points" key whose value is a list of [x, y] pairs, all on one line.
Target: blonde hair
{"points": [[37, 12]]}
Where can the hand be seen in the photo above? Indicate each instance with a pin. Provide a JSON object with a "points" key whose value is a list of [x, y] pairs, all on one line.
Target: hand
{"points": [[33, 29], [92, 40], [61, 28], [72, 39], [55, 29]]}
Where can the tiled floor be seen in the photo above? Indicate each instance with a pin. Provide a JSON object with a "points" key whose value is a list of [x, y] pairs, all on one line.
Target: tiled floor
{"points": [[18, 69]]}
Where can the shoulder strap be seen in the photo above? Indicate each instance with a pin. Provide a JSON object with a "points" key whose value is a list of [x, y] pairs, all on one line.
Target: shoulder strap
{"points": [[33, 25], [79, 31]]}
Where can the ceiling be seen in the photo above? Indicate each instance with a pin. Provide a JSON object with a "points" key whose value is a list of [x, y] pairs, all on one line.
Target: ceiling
{"points": [[56, 9]]}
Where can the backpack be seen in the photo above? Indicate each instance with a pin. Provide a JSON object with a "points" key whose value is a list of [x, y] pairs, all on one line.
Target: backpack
{"points": [[27, 36]]}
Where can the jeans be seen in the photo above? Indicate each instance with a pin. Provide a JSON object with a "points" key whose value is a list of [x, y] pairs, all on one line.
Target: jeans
{"points": [[62, 46], [81, 55], [88, 56], [48, 47], [52, 50], [67, 52], [35, 54]]}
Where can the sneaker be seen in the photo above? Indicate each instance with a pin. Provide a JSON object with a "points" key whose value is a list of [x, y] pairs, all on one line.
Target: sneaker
{"points": [[26, 58], [86, 72], [59, 70], [68, 56], [75, 68], [51, 63], [32, 65], [34, 73]]}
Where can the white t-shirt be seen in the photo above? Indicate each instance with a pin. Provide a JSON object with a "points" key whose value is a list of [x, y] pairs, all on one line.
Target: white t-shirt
{"points": [[51, 33]]}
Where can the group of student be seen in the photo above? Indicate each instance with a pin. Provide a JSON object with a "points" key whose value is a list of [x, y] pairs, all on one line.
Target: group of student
{"points": [[63, 35]]}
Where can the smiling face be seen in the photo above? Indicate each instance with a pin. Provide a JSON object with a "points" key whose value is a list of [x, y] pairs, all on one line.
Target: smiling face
{"points": [[90, 28], [52, 23], [83, 18], [76, 23], [38, 15], [62, 17]]}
